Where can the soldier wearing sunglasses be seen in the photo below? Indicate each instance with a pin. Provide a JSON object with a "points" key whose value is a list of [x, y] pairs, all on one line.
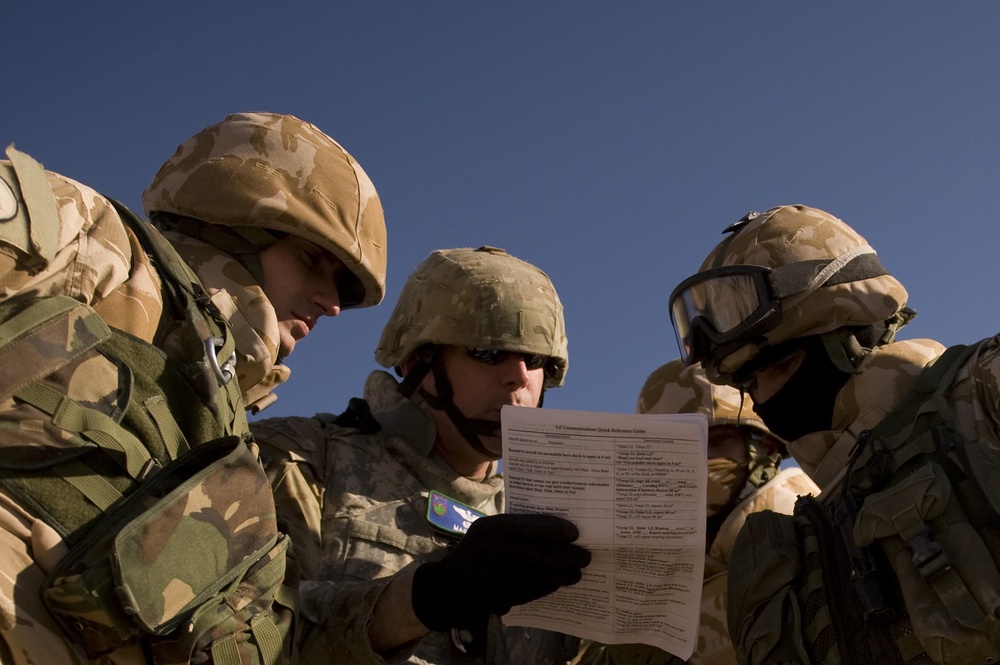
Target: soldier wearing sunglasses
{"points": [[394, 506]]}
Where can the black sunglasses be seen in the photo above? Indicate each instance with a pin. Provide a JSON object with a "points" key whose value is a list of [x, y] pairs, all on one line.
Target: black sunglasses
{"points": [[494, 357]]}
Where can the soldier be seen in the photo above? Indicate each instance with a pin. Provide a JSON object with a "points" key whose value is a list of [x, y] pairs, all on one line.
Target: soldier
{"points": [[743, 477], [377, 499], [897, 561], [136, 525]]}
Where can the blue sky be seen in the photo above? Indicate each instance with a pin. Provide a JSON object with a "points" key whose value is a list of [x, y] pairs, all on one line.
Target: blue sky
{"points": [[609, 143]]}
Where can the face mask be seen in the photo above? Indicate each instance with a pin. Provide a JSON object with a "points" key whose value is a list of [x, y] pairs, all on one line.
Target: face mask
{"points": [[805, 403], [726, 478]]}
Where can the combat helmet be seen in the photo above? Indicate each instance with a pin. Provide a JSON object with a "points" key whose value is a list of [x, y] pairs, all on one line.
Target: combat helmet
{"points": [[479, 299], [256, 174], [788, 273], [679, 388]]}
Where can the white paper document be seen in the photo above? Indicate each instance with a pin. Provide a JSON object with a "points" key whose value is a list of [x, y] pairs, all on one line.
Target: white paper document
{"points": [[635, 487]]}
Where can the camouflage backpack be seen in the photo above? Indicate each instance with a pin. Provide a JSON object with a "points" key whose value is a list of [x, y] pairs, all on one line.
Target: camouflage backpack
{"points": [[899, 566], [169, 522]]}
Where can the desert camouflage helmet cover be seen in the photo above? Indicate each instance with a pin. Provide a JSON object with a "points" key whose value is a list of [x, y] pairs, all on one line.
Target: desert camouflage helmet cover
{"points": [[280, 173], [674, 388], [482, 298], [792, 234]]}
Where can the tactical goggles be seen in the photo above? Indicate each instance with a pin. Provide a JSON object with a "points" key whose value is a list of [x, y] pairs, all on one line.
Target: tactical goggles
{"points": [[716, 311], [495, 357]]}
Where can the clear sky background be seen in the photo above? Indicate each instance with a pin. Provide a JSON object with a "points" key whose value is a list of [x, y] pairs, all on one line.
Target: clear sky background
{"points": [[607, 142]]}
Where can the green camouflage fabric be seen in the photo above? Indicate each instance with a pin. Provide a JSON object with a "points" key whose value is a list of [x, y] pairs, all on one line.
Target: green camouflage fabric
{"points": [[674, 388], [65, 248], [249, 313], [482, 298], [279, 173], [355, 505], [886, 377], [94, 260], [219, 499], [789, 234]]}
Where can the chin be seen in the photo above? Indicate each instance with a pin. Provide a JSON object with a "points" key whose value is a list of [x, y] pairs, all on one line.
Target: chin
{"points": [[494, 444]]}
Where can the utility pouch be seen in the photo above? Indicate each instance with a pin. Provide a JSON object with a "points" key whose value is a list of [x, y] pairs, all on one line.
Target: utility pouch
{"points": [[765, 614], [946, 573], [192, 552]]}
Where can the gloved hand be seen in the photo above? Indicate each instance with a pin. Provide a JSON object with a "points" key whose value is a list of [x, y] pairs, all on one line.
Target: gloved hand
{"points": [[503, 560]]}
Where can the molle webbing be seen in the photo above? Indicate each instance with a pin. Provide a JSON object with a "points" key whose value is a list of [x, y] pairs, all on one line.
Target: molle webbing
{"points": [[80, 457]]}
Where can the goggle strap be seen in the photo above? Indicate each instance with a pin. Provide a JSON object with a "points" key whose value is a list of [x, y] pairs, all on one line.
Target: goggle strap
{"points": [[854, 266]]}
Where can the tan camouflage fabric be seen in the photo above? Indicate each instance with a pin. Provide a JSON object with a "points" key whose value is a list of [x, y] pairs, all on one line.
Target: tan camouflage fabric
{"points": [[886, 376], [96, 262], [714, 646], [790, 234], [355, 506], [483, 298], [674, 388], [280, 173], [89, 255], [249, 313], [95, 259]]}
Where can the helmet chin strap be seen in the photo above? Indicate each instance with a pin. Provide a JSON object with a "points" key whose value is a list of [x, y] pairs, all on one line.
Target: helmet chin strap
{"points": [[429, 360]]}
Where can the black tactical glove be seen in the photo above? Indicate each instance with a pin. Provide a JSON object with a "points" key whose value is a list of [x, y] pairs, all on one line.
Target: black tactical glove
{"points": [[503, 560]]}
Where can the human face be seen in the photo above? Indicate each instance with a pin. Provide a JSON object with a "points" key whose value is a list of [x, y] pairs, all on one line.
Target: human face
{"points": [[481, 389], [300, 281], [766, 381]]}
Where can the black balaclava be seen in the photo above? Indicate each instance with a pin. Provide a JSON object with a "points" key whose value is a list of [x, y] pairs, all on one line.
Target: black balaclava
{"points": [[805, 403]]}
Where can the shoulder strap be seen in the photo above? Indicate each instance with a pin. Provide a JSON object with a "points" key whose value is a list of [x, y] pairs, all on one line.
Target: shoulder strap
{"points": [[898, 437], [216, 343], [934, 381], [40, 202]]}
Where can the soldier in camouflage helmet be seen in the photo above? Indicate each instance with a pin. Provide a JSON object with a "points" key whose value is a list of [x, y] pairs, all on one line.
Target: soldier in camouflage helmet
{"points": [[793, 288], [795, 308], [378, 500], [743, 477], [129, 362], [266, 189]]}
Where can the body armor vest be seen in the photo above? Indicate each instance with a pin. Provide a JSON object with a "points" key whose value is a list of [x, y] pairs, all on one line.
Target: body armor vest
{"points": [[142, 460]]}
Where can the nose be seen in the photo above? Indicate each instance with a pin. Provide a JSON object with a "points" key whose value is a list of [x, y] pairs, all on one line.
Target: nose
{"points": [[515, 371], [327, 300]]}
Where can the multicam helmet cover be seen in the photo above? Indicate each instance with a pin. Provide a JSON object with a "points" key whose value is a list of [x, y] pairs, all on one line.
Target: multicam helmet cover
{"points": [[790, 272], [478, 298], [279, 173]]}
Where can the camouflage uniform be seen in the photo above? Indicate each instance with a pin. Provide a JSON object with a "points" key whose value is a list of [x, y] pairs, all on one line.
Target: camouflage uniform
{"points": [[92, 261], [356, 504], [672, 388], [73, 242], [833, 288], [353, 490]]}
